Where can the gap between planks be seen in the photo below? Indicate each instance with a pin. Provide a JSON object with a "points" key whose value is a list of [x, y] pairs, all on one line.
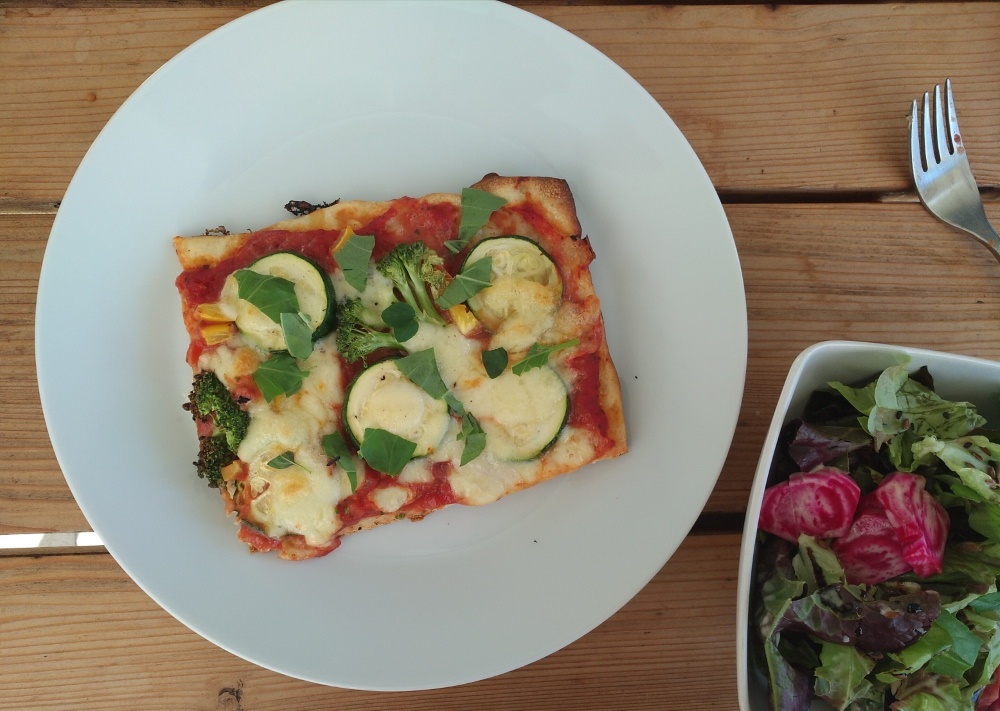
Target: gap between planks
{"points": [[727, 197], [708, 524]]}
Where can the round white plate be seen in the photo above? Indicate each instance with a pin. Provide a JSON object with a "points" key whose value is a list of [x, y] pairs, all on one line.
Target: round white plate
{"points": [[362, 100]]}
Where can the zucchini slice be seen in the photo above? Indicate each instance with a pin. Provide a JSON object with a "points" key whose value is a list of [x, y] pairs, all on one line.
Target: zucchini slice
{"points": [[524, 293], [523, 415], [313, 289], [383, 398]]}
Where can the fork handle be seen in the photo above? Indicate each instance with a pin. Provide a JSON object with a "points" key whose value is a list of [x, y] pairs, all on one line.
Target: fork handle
{"points": [[979, 227]]}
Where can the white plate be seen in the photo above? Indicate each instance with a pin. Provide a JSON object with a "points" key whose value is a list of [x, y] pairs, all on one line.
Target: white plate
{"points": [[368, 100], [956, 377]]}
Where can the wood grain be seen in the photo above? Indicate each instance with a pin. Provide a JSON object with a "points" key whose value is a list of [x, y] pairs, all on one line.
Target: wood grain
{"points": [[773, 98], [75, 632], [812, 272]]}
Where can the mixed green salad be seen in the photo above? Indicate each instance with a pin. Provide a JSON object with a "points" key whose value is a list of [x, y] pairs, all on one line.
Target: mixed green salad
{"points": [[879, 551]]}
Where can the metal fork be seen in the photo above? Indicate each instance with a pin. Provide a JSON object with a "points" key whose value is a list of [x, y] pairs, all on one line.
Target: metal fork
{"points": [[941, 170]]}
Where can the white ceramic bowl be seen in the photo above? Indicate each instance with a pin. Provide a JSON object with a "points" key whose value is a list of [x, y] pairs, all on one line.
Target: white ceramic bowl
{"points": [[956, 377]]}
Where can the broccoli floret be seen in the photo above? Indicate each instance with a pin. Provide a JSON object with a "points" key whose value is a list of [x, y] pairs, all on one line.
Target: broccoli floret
{"points": [[213, 454], [355, 339], [210, 400], [415, 269]]}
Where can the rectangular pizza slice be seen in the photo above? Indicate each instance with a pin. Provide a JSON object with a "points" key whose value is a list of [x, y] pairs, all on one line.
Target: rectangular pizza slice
{"points": [[368, 362]]}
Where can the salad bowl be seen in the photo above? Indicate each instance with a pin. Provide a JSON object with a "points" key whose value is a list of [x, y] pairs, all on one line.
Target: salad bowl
{"points": [[956, 378]]}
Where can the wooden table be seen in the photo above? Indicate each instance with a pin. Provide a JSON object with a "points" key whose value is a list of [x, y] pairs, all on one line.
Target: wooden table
{"points": [[799, 113]]}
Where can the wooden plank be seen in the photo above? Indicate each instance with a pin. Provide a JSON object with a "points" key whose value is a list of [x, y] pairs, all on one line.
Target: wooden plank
{"points": [[880, 273], [785, 97], [78, 633], [886, 273]]}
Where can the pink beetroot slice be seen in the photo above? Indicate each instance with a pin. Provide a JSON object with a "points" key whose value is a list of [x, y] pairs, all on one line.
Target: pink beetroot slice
{"points": [[869, 552], [819, 503], [918, 520]]}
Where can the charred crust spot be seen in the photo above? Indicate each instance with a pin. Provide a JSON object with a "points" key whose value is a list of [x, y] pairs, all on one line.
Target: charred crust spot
{"points": [[302, 207]]}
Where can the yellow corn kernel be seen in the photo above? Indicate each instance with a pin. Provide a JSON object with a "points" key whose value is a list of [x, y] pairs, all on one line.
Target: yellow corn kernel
{"points": [[214, 313], [465, 320], [217, 333], [231, 470], [344, 236]]}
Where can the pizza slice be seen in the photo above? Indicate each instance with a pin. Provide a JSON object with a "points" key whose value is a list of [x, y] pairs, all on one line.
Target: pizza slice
{"points": [[367, 362]]}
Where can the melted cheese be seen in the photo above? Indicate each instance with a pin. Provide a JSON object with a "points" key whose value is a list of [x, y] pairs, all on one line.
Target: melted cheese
{"points": [[302, 498], [511, 409]]}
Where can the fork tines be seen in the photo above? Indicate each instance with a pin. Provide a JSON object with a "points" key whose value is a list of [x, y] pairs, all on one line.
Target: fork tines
{"points": [[940, 138]]}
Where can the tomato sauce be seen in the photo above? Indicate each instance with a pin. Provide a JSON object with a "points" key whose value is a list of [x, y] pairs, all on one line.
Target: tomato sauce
{"points": [[408, 220], [204, 284], [585, 401], [424, 496]]}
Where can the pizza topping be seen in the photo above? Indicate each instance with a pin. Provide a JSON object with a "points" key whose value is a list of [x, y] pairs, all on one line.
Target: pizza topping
{"points": [[278, 284], [522, 416], [279, 375], [353, 256], [211, 403], [470, 281], [495, 361], [477, 206], [538, 356], [524, 293], [383, 398]]}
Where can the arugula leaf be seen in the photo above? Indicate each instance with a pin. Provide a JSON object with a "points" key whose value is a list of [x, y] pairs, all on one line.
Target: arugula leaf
{"points": [[282, 461], [469, 282], [421, 367], [495, 362], [539, 355], [402, 319], [353, 258], [298, 335], [279, 375], [386, 452], [271, 294], [337, 450], [474, 437], [477, 206]]}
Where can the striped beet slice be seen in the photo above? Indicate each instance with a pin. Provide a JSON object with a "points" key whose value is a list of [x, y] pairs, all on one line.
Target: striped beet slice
{"points": [[869, 552], [920, 523], [819, 503]]}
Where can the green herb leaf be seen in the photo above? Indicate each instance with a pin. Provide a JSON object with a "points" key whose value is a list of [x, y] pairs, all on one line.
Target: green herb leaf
{"points": [[477, 206], [475, 438], [298, 335], [454, 404], [539, 355], [279, 375], [421, 367], [272, 295], [470, 281], [353, 258], [495, 362], [386, 452], [282, 461], [337, 450], [402, 319]]}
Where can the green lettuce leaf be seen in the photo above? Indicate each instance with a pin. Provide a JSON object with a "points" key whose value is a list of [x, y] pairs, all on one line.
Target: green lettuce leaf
{"points": [[840, 678], [895, 403]]}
